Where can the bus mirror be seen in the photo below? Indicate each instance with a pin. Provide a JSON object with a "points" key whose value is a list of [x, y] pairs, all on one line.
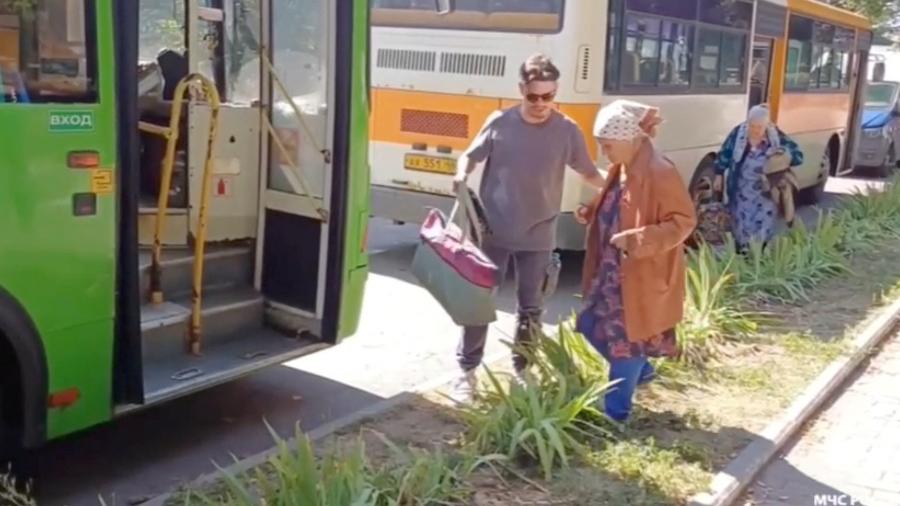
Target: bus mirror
{"points": [[443, 6]]}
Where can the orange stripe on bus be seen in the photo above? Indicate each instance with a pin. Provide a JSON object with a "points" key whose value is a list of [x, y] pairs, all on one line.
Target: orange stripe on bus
{"points": [[813, 112], [413, 117]]}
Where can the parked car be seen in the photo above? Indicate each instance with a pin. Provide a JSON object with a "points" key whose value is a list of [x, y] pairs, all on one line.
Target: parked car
{"points": [[879, 145]]}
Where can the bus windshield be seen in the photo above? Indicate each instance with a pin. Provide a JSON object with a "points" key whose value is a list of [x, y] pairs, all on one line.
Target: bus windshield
{"points": [[528, 16], [881, 94]]}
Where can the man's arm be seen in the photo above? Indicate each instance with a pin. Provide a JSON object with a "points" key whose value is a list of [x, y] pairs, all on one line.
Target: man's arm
{"points": [[476, 153], [580, 161]]}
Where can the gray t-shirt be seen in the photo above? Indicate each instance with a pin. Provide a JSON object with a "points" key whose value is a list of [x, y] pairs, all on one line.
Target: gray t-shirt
{"points": [[523, 176]]}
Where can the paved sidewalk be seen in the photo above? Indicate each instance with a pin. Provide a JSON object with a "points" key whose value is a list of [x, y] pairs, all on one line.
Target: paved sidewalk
{"points": [[851, 454]]}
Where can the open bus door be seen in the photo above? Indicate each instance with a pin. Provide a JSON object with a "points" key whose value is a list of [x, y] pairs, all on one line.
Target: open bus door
{"points": [[859, 65], [246, 214]]}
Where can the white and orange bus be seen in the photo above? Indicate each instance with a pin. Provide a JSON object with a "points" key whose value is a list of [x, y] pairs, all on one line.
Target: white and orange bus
{"points": [[441, 67]]}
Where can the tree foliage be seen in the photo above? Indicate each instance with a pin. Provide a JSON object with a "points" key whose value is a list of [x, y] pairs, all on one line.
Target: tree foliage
{"points": [[881, 12]]}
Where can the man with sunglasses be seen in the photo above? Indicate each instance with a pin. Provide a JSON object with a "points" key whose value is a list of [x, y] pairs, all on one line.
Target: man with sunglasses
{"points": [[525, 150]]}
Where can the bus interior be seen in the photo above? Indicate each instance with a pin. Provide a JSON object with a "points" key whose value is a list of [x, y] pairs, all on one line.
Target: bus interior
{"points": [[233, 202]]}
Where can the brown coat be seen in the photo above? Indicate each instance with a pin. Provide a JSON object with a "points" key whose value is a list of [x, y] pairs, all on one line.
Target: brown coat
{"points": [[658, 215]]}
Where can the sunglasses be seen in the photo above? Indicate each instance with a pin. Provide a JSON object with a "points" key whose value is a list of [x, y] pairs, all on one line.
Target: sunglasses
{"points": [[534, 97]]}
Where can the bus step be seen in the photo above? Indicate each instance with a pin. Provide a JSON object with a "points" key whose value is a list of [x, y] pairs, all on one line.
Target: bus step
{"points": [[175, 232], [224, 266], [170, 377], [226, 313]]}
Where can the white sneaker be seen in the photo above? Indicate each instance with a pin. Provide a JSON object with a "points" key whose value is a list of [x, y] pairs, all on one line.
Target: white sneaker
{"points": [[463, 391], [523, 378]]}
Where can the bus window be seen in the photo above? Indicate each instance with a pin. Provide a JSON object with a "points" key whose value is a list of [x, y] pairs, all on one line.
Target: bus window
{"points": [[659, 52], [300, 49], [162, 28], [47, 54], [800, 47], [530, 16]]}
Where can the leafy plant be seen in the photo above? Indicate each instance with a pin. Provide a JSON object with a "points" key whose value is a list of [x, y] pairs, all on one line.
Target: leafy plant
{"points": [[549, 420], [12, 494], [295, 476], [418, 477], [711, 315]]}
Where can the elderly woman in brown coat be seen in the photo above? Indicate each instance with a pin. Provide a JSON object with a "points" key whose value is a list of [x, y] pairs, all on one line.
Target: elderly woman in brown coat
{"points": [[634, 269]]}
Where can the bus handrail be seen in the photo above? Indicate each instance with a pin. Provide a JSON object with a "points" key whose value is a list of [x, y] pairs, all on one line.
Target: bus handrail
{"points": [[171, 135]]}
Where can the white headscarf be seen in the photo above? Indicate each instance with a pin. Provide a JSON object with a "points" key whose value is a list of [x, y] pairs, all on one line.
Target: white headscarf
{"points": [[757, 114], [625, 120]]}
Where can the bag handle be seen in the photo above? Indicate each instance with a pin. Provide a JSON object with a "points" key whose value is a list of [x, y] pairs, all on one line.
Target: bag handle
{"points": [[464, 209]]}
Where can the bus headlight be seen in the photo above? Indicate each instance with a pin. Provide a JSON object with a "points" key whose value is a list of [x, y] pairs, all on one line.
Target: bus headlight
{"points": [[873, 132]]}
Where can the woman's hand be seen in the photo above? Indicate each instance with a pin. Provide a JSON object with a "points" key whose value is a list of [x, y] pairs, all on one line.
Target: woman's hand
{"points": [[620, 240], [718, 184], [582, 214]]}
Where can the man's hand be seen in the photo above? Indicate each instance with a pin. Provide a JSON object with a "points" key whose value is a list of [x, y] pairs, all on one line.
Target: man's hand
{"points": [[597, 180], [459, 182]]}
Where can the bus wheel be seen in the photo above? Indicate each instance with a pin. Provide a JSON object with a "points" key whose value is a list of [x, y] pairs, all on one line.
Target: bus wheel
{"points": [[703, 176], [889, 164], [813, 195], [702, 181]]}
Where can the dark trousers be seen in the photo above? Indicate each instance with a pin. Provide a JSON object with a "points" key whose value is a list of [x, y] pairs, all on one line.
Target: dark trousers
{"points": [[531, 271]]}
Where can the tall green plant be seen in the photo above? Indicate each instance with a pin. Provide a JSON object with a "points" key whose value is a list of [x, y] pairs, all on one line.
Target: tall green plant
{"points": [[535, 424], [711, 314], [295, 476]]}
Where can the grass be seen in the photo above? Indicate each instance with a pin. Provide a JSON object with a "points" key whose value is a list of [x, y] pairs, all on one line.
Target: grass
{"points": [[750, 341], [13, 493]]}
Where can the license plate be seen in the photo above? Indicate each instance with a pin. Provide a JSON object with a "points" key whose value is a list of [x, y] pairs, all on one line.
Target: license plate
{"points": [[424, 163]]}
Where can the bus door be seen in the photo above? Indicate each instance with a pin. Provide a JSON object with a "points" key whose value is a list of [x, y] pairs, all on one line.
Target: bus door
{"points": [[858, 68], [297, 139], [760, 71]]}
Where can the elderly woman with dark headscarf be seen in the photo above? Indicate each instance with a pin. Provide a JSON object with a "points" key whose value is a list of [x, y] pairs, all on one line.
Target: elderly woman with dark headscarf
{"points": [[741, 171], [634, 269]]}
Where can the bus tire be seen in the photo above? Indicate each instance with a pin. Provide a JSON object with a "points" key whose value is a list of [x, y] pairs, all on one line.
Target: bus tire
{"points": [[10, 422], [890, 164], [23, 377], [706, 170], [813, 195]]}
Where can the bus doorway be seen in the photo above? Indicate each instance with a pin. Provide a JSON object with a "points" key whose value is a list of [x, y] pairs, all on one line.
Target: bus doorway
{"points": [[242, 215], [760, 71]]}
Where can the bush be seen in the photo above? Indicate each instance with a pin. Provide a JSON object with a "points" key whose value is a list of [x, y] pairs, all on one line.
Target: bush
{"points": [[549, 421], [711, 315], [295, 475]]}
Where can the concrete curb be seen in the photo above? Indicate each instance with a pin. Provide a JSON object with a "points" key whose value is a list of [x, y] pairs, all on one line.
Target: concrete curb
{"points": [[730, 483], [323, 431]]}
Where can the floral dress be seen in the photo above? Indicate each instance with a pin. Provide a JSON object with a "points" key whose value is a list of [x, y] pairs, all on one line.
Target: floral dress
{"points": [[753, 211], [602, 321]]}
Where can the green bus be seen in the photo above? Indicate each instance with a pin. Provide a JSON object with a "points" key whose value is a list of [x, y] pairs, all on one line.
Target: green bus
{"points": [[153, 246]]}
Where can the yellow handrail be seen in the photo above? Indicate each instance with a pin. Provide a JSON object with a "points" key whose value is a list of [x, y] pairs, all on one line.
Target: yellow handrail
{"points": [[171, 135]]}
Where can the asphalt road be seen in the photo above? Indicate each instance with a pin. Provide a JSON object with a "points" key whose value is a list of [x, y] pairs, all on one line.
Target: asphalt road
{"points": [[405, 340]]}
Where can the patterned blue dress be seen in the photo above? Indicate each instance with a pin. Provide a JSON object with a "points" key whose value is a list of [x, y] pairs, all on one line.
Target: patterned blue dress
{"points": [[602, 321], [753, 212]]}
